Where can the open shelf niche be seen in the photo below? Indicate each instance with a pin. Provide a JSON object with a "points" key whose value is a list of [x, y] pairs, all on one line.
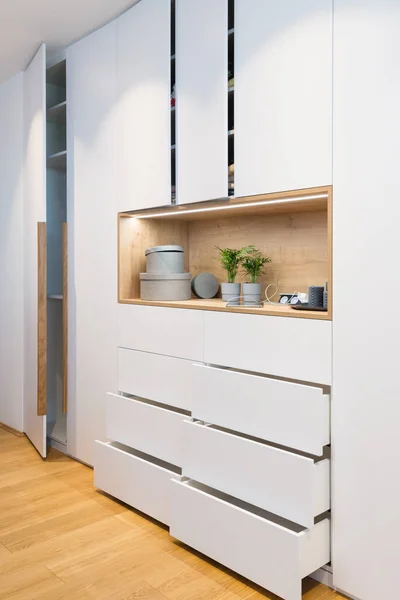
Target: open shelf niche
{"points": [[293, 228]]}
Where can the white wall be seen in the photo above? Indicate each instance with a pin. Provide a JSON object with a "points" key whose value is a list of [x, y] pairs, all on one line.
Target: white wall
{"points": [[11, 252], [366, 323]]}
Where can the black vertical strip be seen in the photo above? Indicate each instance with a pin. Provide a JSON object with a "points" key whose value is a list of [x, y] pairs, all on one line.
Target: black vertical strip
{"points": [[173, 106]]}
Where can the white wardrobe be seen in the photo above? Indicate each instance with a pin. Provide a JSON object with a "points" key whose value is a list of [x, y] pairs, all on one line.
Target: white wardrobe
{"points": [[314, 103], [92, 205], [366, 409]]}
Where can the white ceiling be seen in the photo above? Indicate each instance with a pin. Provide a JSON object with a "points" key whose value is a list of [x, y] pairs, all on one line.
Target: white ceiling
{"points": [[25, 24]]}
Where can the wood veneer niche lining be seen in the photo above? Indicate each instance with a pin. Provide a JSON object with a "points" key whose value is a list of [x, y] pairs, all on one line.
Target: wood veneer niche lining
{"points": [[296, 242], [42, 320]]}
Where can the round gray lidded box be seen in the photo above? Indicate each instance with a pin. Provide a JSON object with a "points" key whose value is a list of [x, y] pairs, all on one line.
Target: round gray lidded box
{"points": [[165, 259], [205, 285], [165, 286]]}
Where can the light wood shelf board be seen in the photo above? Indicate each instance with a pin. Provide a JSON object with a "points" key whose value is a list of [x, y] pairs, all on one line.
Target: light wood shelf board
{"points": [[217, 305]]}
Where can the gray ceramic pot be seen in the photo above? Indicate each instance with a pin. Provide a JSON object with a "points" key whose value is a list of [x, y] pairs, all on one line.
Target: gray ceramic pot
{"points": [[230, 290], [251, 292]]}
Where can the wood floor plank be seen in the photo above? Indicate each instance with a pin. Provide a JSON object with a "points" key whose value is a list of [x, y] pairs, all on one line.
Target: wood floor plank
{"points": [[29, 583], [60, 539]]}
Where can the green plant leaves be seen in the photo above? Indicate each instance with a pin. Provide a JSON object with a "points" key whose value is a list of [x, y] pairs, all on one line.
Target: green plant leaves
{"points": [[253, 265], [232, 258]]}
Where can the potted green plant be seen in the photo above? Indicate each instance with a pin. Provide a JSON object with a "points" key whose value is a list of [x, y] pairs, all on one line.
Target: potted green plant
{"points": [[253, 266], [231, 259]]}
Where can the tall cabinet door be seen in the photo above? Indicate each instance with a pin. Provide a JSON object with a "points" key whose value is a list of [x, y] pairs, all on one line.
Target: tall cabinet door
{"points": [[144, 87], [35, 289], [201, 100], [92, 236], [283, 95], [366, 216]]}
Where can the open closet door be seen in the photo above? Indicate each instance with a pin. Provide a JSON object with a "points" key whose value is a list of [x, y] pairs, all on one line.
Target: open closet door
{"points": [[35, 297]]}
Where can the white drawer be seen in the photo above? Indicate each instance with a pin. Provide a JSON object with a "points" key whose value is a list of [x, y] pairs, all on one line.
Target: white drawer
{"points": [[156, 377], [252, 544], [283, 346], [130, 478], [172, 331], [289, 414], [145, 427], [287, 484]]}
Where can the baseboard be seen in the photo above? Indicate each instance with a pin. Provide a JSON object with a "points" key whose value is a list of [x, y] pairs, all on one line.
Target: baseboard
{"points": [[346, 594], [57, 445], [324, 575], [12, 430]]}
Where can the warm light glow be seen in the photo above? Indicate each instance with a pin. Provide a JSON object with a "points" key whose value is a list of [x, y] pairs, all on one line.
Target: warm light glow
{"points": [[171, 213]]}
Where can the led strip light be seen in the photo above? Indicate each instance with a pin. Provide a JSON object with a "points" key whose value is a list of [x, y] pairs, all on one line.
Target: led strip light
{"points": [[231, 206]]}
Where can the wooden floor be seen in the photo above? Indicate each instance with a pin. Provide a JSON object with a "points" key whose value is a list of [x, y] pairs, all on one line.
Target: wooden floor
{"points": [[60, 539]]}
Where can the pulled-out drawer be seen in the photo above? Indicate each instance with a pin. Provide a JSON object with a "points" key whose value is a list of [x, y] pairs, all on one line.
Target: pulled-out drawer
{"points": [[290, 485], [281, 346], [130, 477], [156, 377], [283, 412], [272, 553], [173, 332], [145, 427]]}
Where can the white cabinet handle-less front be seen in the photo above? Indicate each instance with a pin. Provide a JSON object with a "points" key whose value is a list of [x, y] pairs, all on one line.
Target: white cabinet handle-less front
{"points": [[201, 100], [173, 332], [287, 484], [264, 551], [286, 413], [282, 346], [134, 480], [283, 95], [151, 429], [156, 377], [144, 126]]}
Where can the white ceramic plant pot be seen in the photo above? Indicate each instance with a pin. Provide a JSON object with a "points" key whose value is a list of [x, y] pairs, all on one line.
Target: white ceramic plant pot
{"points": [[251, 293], [230, 290]]}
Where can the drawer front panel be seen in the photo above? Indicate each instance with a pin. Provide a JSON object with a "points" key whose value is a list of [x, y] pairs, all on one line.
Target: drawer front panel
{"points": [[289, 414], [150, 429], [285, 347], [268, 554], [155, 377], [286, 484], [139, 483], [170, 331]]}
